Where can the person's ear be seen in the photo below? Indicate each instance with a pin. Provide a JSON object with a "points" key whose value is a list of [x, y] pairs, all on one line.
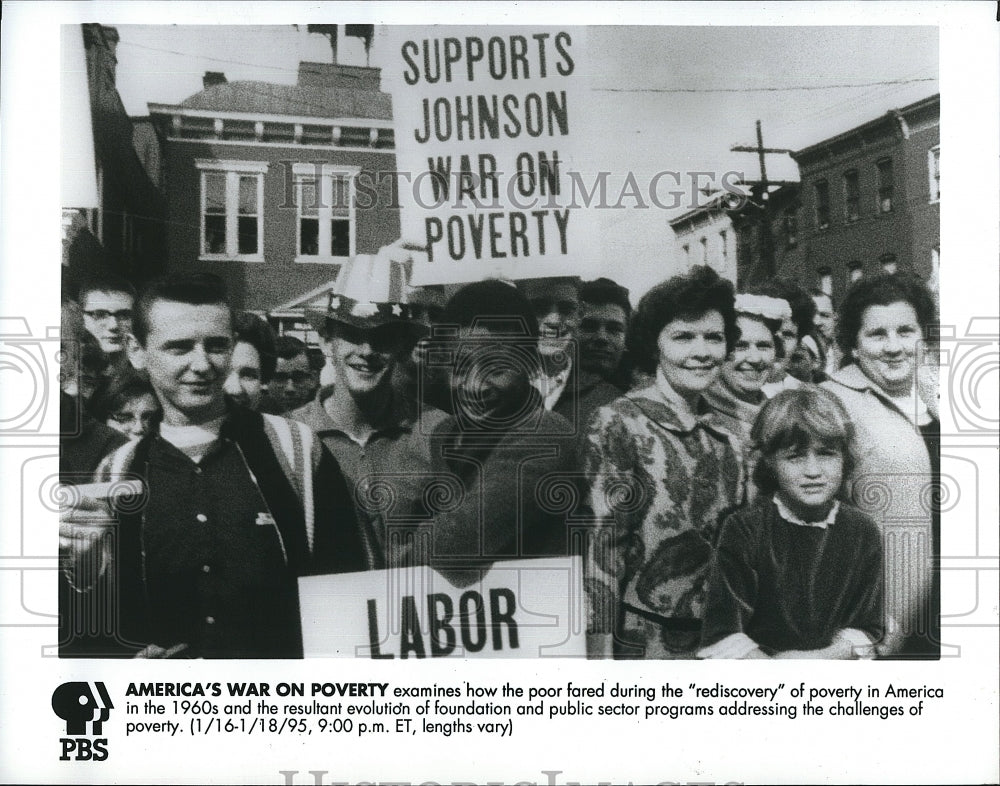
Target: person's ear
{"points": [[136, 353]]}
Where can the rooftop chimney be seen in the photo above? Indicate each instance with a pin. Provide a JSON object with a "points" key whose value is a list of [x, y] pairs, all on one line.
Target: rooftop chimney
{"points": [[213, 78], [336, 75]]}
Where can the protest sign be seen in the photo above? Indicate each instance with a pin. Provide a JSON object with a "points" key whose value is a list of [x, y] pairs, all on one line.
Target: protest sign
{"points": [[517, 609], [489, 134]]}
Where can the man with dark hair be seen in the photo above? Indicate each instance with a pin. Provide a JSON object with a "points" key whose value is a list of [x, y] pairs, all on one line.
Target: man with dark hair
{"points": [[500, 442], [379, 438], [83, 441], [295, 380], [566, 388], [556, 305], [107, 302], [235, 505], [604, 329]]}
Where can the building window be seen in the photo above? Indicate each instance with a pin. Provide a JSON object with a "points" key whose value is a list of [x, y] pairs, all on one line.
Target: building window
{"points": [[296, 327], [724, 245], [96, 216], [324, 197], [888, 262], [886, 185], [686, 251], [791, 226], [854, 272], [852, 195], [704, 250], [825, 280], [232, 214], [822, 204], [744, 247], [127, 234], [934, 172]]}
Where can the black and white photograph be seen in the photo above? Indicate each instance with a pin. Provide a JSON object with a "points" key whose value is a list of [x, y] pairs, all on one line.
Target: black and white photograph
{"points": [[512, 343]]}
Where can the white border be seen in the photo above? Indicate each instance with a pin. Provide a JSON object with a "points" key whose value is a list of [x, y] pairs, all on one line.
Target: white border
{"points": [[957, 743]]}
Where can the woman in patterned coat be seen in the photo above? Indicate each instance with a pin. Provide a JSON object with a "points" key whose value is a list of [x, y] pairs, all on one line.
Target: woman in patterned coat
{"points": [[661, 474]]}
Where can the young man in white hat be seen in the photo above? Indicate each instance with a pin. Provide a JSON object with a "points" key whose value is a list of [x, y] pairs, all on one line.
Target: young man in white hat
{"points": [[380, 438]]}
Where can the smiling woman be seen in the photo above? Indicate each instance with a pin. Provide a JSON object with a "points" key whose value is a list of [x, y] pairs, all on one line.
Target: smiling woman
{"points": [[737, 395], [880, 326], [661, 474]]}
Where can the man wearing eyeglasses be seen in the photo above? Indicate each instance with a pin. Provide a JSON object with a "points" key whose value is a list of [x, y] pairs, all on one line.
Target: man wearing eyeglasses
{"points": [[107, 303]]}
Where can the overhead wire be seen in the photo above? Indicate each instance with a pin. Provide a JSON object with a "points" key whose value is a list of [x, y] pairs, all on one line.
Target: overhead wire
{"points": [[769, 89]]}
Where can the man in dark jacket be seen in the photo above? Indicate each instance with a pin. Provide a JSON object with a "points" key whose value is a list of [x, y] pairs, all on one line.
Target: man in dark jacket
{"points": [[513, 458], [569, 387], [235, 505]]}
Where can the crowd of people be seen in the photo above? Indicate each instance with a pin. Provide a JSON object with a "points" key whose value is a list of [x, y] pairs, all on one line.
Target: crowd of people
{"points": [[744, 475]]}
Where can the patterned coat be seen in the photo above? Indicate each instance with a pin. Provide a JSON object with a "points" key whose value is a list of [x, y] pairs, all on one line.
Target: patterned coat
{"points": [[660, 481]]}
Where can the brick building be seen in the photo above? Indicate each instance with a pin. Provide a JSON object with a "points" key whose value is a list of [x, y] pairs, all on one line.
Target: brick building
{"points": [[119, 226], [274, 187], [868, 200], [706, 235]]}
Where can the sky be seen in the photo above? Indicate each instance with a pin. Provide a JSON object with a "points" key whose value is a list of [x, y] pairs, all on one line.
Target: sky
{"points": [[661, 98]]}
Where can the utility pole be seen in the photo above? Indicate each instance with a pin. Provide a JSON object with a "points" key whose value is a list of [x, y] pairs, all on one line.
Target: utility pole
{"points": [[760, 198]]}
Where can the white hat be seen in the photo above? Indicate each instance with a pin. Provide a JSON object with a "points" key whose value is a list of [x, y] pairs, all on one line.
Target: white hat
{"points": [[763, 306]]}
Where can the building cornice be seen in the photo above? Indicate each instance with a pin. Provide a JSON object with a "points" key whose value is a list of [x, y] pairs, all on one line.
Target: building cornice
{"points": [[179, 124], [166, 110], [893, 125], [389, 151]]}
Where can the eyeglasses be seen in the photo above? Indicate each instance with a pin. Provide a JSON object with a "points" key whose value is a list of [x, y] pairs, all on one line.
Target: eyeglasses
{"points": [[101, 315], [147, 419]]}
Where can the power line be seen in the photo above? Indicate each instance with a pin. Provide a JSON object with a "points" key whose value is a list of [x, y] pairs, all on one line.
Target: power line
{"points": [[757, 89], [207, 57], [596, 89]]}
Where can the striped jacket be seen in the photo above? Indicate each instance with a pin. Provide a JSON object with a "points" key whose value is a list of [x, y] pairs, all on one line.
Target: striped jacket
{"points": [[301, 483]]}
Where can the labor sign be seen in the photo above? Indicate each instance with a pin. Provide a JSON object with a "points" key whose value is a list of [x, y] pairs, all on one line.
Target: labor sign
{"points": [[518, 609]]}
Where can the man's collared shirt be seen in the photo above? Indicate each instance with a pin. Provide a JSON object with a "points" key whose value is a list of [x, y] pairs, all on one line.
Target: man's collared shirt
{"points": [[216, 569], [551, 387], [388, 474]]}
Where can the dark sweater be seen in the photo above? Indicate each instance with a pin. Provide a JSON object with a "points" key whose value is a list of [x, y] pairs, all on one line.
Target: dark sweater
{"points": [[789, 586]]}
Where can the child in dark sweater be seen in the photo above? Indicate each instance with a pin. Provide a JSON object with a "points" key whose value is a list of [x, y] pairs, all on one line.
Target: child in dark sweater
{"points": [[798, 573]]}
